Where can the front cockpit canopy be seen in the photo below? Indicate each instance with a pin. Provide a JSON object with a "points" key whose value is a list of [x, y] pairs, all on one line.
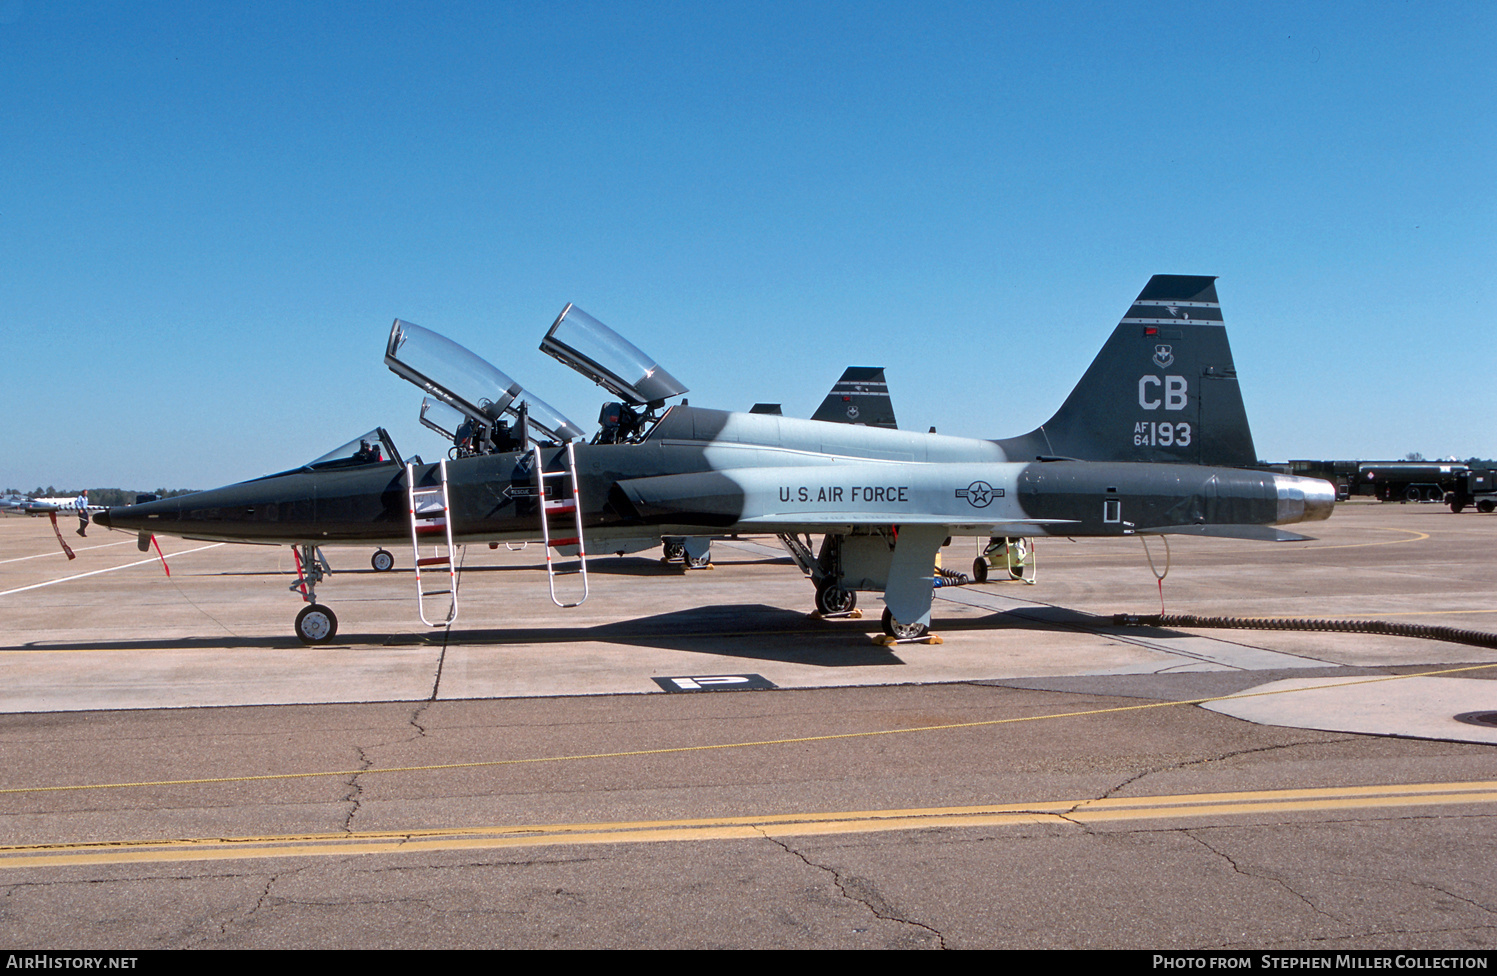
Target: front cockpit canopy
{"points": [[468, 384], [608, 359]]}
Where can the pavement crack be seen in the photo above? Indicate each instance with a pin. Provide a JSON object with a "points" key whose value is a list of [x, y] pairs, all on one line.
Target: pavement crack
{"points": [[1205, 760], [355, 791], [436, 684], [1237, 868], [416, 718], [859, 890], [1450, 894], [223, 927]]}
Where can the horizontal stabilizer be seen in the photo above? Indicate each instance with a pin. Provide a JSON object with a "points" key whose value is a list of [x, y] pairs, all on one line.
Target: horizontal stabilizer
{"points": [[1254, 533]]}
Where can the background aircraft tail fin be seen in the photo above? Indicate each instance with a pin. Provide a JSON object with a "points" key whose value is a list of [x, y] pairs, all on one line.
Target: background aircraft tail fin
{"points": [[860, 397], [1162, 389]]}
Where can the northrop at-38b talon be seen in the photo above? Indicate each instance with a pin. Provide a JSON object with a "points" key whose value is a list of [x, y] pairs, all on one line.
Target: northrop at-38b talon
{"points": [[1153, 440]]}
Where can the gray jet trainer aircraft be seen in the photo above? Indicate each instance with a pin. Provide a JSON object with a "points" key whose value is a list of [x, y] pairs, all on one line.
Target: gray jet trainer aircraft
{"points": [[1153, 440]]}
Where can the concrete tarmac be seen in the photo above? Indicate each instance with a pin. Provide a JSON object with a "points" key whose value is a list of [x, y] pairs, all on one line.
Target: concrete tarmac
{"points": [[180, 771]]}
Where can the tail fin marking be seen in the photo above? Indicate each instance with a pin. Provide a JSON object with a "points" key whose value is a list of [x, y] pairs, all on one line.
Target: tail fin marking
{"points": [[1162, 389]]}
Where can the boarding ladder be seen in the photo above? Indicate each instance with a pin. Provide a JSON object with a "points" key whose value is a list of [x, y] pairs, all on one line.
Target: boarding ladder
{"points": [[566, 502], [430, 517]]}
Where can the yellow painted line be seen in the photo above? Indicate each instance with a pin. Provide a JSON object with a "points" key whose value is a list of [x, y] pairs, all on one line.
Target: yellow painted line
{"points": [[712, 747], [111, 569], [1418, 537], [1113, 809]]}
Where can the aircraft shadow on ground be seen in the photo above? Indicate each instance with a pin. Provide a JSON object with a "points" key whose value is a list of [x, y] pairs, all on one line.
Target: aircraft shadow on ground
{"points": [[743, 631]]}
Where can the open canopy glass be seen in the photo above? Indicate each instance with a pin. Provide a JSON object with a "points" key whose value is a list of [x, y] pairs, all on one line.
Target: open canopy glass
{"points": [[608, 359], [466, 382]]}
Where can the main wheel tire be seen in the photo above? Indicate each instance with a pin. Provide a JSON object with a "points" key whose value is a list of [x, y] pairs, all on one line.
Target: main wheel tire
{"points": [[831, 598], [980, 570], [383, 560], [900, 631], [673, 551], [316, 624], [695, 562]]}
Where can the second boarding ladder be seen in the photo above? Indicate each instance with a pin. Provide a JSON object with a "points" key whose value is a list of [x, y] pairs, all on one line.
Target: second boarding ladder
{"points": [[430, 510], [567, 502]]}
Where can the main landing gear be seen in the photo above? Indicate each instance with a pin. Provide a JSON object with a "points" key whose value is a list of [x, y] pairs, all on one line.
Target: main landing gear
{"points": [[316, 624], [832, 600], [902, 633], [692, 552]]}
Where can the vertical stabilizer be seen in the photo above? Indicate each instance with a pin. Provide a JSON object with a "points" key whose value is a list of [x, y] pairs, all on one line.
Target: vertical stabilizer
{"points": [[860, 397], [1162, 389]]}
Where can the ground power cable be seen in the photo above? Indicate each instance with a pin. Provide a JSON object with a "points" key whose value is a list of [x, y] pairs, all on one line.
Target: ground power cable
{"points": [[1439, 632]]}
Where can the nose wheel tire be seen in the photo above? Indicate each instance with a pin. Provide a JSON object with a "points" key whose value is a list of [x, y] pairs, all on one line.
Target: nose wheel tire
{"points": [[316, 624], [832, 599], [903, 632], [383, 560]]}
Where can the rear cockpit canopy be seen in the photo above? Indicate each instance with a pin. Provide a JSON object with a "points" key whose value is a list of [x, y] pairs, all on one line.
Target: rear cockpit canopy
{"points": [[608, 359], [618, 366]]}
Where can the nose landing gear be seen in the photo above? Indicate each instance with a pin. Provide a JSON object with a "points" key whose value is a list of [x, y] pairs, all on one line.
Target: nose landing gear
{"points": [[316, 624]]}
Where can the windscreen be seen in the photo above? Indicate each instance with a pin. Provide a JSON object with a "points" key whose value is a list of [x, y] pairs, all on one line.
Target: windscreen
{"points": [[375, 447], [441, 418]]}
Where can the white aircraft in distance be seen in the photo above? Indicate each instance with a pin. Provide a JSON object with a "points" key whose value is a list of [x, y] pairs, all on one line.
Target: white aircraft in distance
{"points": [[78, 506]]}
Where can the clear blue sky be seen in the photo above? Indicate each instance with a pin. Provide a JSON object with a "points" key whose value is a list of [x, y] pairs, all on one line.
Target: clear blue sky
{"points": [[211, 212]]}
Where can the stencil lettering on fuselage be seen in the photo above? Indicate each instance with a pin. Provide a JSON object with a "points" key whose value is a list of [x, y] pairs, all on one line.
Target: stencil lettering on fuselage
{"points": [[851, 493]]}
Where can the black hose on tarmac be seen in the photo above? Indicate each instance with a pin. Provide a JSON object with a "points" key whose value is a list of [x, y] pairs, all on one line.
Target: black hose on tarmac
{"points": [[1474, 638]]}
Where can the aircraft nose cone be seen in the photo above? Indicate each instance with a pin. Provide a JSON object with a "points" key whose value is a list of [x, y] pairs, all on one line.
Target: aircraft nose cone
{"points": [[102, 518]]}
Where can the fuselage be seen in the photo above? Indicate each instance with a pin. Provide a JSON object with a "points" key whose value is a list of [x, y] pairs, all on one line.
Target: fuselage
{"points": [[729, 472]]}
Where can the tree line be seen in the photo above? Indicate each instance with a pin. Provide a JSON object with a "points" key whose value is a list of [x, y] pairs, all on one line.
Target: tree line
{"points": [[100, 496]]}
